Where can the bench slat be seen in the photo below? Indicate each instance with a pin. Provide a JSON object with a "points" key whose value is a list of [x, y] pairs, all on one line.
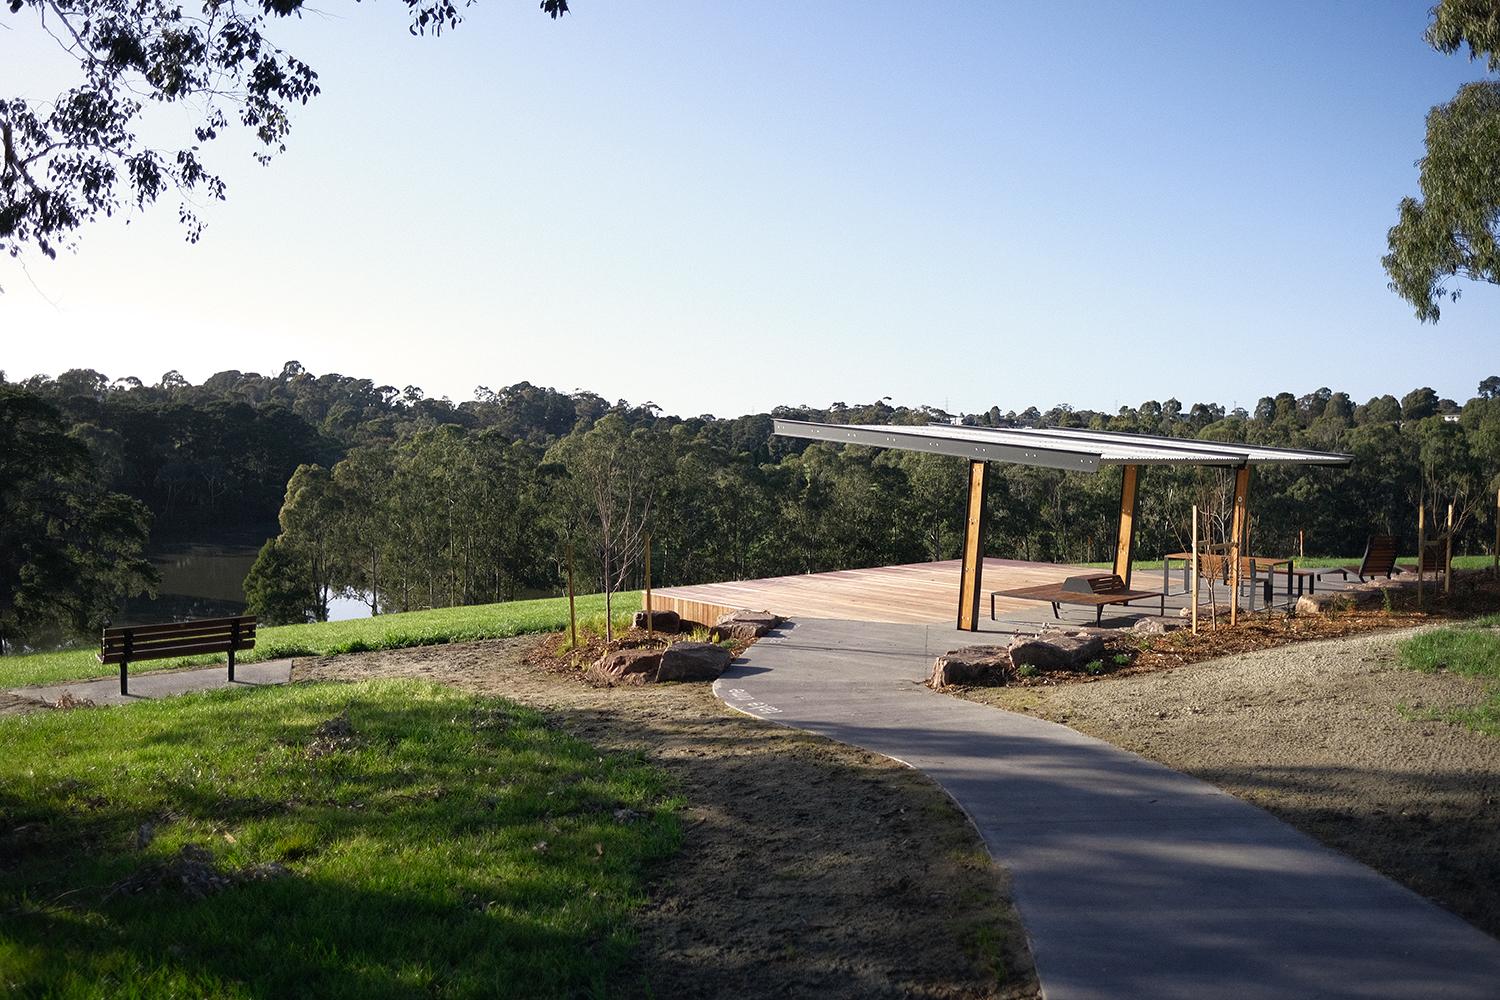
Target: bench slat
{"points": [[163, 652], [188, 635], [201, 624]]}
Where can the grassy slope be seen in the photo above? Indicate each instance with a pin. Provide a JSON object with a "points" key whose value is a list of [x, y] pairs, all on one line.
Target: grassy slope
{"points": [[414, 628], [1472, 650], [1312, 562], [416, 851]]}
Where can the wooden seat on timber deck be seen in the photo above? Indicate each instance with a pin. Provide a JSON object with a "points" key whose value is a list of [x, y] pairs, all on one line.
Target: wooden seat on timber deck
{"points": [[1379, 560], [1095, 590], [126, 644]]}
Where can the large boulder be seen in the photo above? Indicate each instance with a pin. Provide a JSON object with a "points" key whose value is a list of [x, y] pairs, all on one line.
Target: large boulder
{"points": [[1056, 652], [1364, 595], [626, 666], [693, 661], [661, 621], [972, 665], [745, 624]]}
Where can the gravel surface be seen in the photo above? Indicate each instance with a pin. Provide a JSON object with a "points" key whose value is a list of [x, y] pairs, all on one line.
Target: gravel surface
{"points": [[1331, 737], [808, 868]]}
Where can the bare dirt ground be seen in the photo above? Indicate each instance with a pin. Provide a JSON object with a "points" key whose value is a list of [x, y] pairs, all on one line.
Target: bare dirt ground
{"points": [[1331, 737], [807, 868]]}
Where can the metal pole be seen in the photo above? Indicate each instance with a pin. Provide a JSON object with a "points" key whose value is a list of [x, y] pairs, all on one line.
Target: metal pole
{"points": [[650, 622], [1195, 570], [572, 611]]}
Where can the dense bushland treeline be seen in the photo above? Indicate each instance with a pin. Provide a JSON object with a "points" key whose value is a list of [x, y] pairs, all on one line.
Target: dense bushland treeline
{"points": [[418, 502]]}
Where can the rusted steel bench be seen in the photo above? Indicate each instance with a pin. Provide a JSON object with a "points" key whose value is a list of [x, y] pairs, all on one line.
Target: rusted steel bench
{"points": [[1095, 590], [127, 644]]}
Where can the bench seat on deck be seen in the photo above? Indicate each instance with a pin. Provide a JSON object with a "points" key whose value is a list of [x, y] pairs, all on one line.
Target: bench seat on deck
{"points": [[1095, 590]]}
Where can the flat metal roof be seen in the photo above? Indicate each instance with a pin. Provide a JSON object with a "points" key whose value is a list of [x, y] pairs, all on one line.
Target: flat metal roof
{"points": [[1069, 448]]}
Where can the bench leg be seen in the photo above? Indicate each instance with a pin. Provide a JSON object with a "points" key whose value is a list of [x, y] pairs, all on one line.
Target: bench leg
{"points": [[123, 689], [1098, 614], [231, 665], [992, 607], [1054, 611]]}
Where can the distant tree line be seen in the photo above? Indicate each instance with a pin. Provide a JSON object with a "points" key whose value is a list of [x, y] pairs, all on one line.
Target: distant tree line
{"points": [[414, 502]]}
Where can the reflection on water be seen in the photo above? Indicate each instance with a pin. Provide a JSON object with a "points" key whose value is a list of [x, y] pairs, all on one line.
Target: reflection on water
{"points": [[207, 580]]}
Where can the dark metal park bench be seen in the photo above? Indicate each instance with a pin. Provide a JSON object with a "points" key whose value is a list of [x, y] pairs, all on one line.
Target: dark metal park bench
{"points": [[1095, 590], [127, 644]]}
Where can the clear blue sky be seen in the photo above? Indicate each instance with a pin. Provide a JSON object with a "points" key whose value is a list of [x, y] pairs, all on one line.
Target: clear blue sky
{"points": [[722, 207]]}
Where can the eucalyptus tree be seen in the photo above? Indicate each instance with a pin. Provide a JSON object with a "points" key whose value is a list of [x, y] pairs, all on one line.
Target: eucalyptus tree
{"points": [[69, 550], [78, 156], [1451, 231], [614, 476]]}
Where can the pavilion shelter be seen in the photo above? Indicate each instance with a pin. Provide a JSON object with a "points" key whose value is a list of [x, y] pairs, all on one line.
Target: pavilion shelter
{"points": [[1073, 450]]}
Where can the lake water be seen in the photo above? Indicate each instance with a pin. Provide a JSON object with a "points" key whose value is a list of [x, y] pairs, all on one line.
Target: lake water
{"points": [[207, 580]]}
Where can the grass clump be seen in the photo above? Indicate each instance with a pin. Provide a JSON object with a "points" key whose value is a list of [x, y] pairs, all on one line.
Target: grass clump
{"points": [[373, 840], [1470, 650], [398, 631]]}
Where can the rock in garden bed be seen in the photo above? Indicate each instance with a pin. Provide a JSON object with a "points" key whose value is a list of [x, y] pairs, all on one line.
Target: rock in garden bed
{"points": [[680, 661], [693, 661], [972, 665], [661, 621], [745, 624], [626, 666], [1054, 651]]}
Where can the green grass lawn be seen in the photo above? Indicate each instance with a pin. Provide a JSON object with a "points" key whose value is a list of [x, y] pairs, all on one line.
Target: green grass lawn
{"points": [[413, 628], [1312, 562], [442, 845], [1472, 650]]}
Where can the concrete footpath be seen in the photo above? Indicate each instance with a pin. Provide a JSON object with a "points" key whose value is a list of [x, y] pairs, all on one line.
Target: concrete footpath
{"points": [[161, 683], [1133, 880]]}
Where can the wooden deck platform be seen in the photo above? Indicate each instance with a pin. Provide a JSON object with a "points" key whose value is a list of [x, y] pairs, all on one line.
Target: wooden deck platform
{"points": [[920, 593]]}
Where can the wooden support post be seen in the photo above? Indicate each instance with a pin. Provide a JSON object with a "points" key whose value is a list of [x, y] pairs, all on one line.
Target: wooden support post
{"points": [[1194, 613], [1421, 548], [572, 610], [650, 623], [1237, 538], [1125, 537], [972, 575], [1301, 546], [1448, 554]]}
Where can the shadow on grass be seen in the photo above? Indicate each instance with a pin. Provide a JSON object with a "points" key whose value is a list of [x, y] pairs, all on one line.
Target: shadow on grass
{"points": [[438, 844]]}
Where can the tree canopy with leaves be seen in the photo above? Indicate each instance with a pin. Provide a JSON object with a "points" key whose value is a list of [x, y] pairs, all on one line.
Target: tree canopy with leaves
{"points": [[1451, 230], [67, 161], [69, 551]]}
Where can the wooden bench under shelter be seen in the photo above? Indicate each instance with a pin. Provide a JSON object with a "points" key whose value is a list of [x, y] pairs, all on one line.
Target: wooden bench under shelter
{"points": [[127, 644], [1095, 590], [1379, 560]]}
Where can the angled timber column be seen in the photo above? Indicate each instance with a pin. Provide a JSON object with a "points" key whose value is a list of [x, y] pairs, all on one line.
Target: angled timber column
{"points": [[1125, 537], [1237, 537], [973, 552]]}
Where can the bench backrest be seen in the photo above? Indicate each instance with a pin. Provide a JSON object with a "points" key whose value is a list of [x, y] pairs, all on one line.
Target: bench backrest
{"points": [[130, 643], [1380, 556], [1099, 583], [1434, 556]]}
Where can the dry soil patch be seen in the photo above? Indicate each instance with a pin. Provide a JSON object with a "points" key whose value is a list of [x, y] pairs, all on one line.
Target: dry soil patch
{"points": [[808, 868], [1330, 736]]}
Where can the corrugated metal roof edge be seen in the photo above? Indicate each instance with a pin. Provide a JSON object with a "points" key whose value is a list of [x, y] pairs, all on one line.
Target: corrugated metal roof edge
{"points": [[1216, 453]]}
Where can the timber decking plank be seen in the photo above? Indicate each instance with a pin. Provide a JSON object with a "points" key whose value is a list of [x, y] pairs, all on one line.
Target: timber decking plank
{"points": [[912, 594]]}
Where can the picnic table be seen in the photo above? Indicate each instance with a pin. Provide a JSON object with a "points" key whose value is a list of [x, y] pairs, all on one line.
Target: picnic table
{"points": [[1216, 564]]}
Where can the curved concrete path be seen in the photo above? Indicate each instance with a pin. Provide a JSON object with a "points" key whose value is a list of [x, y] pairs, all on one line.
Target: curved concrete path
{"points": [[1133, 880]]}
